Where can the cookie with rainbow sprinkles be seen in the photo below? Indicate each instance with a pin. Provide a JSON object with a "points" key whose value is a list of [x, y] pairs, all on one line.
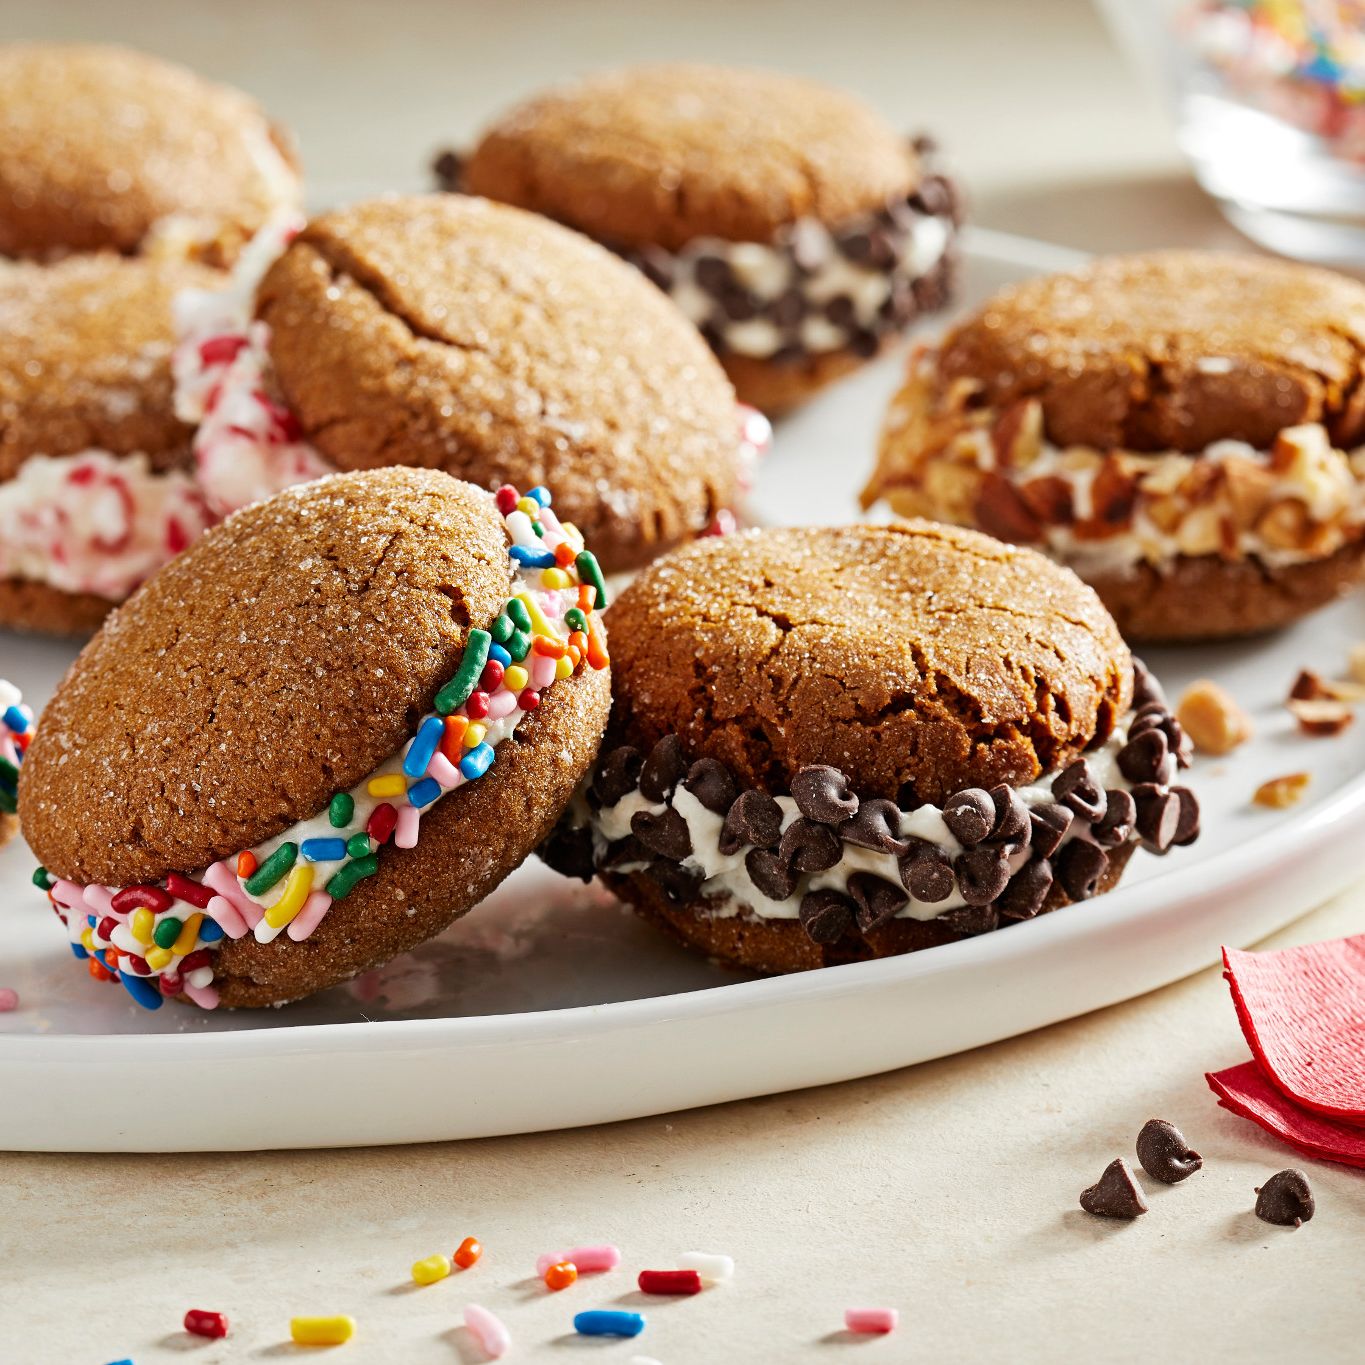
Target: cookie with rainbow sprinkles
{"points": [[835, 744], [312, 741]]}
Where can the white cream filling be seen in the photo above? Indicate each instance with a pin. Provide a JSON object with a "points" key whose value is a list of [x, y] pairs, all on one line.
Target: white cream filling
{"points": [[726, 885], [94, 522], [768, 272]]}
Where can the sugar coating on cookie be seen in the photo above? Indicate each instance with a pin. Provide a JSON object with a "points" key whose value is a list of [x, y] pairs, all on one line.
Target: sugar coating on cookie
{"points": [[451, 333], [260, 745], [1185, 429], [785, 218], [835, 743], [96, 490], [107, 148]]}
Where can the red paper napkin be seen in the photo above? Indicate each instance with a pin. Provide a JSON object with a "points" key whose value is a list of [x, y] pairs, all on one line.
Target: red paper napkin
{"points": [[1244, 1090], [1303, 1013]]}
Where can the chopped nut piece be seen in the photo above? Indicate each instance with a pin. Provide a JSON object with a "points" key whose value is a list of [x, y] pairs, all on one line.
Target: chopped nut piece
{"points": [[1308, 686], [1212, 719], [1280, 792], [1357, 662], [1322, 718]]}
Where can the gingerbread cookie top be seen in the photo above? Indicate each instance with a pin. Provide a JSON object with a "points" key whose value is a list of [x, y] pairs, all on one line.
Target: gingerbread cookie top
{"points": [[917, 659], [756, 150], [1173, 350], [103, 147], [467, 336], [85, 352], [281, 658]]}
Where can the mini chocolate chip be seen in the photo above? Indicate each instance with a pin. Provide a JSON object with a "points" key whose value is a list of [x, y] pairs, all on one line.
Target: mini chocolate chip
{"points": [[1285, 1199], [1079, 867], [1146, 689], [826, 916], [1116, 825], [448, 168], [822, 793], [1158, 816], [1115, 1194], [840, 311], [1164, 1153], [657, 266], [770, 873], [617, 774], [970, 815], [755, 818], [788, 309], [876, 826], [710, 782], [713, 274], [865, 343], [1075, 787], [970, 920], [678, 883], [938, 195], [1050, 824], [625, 852], [926, 872], [922, 144], [1141, 759], [809, 847], [982, 874], [1027, 891], [876, 898], [857, 246], [1012, 824], [569, 851], [665, 834], [663, 769], [1187, 829]]}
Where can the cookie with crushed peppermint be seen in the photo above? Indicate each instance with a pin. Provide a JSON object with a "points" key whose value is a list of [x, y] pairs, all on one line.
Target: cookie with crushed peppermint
{"points": [[1184, 429], [786, 218]]}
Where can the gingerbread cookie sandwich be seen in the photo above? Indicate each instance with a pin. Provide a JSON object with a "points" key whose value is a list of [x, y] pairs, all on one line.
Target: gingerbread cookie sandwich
{"points": [[1184, 429], [785, 218], [103, 148], [835, 744], [16, 730], [96, 471], [451, 333], [325, 731]]}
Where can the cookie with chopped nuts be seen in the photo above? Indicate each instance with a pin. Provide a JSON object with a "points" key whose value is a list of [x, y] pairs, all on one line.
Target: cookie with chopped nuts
{"points": [[835, 744], [96, 483], [1182, 428], [329, 728], [104, 148], [797, 229], [452, 333]]}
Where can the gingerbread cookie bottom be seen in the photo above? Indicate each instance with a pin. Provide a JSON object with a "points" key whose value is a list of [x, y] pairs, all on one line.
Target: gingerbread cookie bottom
{"points": [[38, 609], [776, 946], [1209, 598], [470, 841]]}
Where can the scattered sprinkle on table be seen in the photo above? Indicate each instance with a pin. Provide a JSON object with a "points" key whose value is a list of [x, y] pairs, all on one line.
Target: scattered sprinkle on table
{"points": [[468, 1252], [713, 1268], [9, 999], [201, 1323], [669, 1282], [560, 1275], [332, 1331], [487, 1330], [871, 1320], [430, 1269], [602, 1322]]}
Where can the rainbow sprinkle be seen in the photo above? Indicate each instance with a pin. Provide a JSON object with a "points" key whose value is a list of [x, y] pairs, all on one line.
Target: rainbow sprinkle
{"points": [[159, 941], [16, 729]]}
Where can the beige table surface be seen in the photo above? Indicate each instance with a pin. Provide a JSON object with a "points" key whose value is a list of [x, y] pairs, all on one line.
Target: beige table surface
{"points": [[948, 1190]]}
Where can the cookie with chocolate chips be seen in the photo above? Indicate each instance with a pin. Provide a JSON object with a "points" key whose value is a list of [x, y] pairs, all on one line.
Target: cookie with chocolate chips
{"points": [[795, 227], [1181, 428], [451, 333], [104, 148], [835, 744], [96, 472], [329, 728]]}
